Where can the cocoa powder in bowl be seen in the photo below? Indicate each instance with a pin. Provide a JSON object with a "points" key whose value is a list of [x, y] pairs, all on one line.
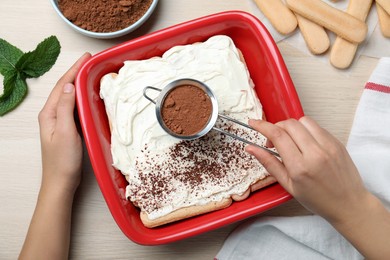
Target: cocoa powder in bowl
{"points": [[103, 15], [186, 110]]}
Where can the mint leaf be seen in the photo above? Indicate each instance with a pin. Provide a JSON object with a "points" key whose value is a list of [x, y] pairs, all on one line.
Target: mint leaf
{"points": [[9, 56], [37, 62], [19, 92], [8, 82], [17, 66]]}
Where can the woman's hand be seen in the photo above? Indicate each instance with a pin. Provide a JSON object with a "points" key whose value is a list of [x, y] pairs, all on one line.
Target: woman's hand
{"points": [[318, 171], [316, 168], [60, 141]]}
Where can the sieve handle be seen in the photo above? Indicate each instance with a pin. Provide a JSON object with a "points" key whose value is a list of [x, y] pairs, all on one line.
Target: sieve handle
{"points": [[147, 97], [236, 121], [240, 138]]}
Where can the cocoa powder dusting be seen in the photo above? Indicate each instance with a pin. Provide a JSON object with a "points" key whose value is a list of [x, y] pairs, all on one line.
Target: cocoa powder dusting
{"points": [[103, 15], [213, 160], [186, 110]]}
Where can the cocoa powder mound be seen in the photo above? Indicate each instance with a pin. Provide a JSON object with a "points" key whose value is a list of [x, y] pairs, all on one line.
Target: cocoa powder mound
{"points": [[186, 110], [103, 15]]}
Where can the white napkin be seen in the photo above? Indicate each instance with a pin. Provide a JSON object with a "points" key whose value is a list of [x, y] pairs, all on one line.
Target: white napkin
{"points": [[311, 237]]}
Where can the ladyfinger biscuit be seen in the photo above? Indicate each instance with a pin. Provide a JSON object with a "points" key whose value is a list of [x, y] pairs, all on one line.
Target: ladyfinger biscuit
{"points": [[192, 211], [343, 51], [268, 180], [339, 22], [384, 20], [263, 183], [315, 36], [278, 14], [243, 196], [385, 4], [184, 213]]}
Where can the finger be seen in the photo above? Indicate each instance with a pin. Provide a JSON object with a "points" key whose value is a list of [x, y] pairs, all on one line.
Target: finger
{"points": [[269, 144], [271, 164], [321, 135], [48, 114], [299, 134], [65, 108], [286, 147], [68, 77]]}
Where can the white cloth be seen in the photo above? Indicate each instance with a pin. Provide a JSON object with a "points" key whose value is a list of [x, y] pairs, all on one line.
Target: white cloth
{"points": [[311, 237]]}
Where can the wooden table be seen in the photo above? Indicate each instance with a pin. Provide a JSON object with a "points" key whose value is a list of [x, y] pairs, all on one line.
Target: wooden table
{"points": [[328, 95]]}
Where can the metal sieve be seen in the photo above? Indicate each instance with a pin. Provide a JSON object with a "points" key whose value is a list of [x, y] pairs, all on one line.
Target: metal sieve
{"points": [[212, 119]]}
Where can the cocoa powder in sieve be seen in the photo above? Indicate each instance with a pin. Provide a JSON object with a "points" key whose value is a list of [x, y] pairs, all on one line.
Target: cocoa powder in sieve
{"points": [[186, 110], [103, 15]]}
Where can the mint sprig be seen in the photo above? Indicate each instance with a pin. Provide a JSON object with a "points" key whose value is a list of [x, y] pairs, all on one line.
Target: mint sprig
{"points": [[17, 66]]}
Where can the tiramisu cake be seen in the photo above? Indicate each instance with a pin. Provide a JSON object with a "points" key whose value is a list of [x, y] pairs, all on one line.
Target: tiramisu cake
{"points": [[170, 179]]}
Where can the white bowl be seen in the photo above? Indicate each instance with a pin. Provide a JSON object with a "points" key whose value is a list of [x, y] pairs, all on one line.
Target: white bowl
{"points": [[106, 35]]}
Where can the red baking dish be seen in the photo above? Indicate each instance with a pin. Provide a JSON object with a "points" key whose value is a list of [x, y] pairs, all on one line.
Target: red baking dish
{"points": [[273, 86]]}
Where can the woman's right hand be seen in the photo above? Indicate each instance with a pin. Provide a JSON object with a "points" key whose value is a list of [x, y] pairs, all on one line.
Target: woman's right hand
{"points": [[316, 168], [318, 171]]}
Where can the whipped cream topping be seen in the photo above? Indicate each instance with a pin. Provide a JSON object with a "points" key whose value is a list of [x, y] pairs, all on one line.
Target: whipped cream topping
{"points": [[165, 173]]}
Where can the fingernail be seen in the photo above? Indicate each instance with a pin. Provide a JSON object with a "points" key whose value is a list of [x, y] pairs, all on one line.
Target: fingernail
{"points": [[248, 150], [68, 88]]}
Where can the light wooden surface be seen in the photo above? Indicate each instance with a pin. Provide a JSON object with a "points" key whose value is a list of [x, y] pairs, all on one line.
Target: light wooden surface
{"points": [[328, 95]]}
